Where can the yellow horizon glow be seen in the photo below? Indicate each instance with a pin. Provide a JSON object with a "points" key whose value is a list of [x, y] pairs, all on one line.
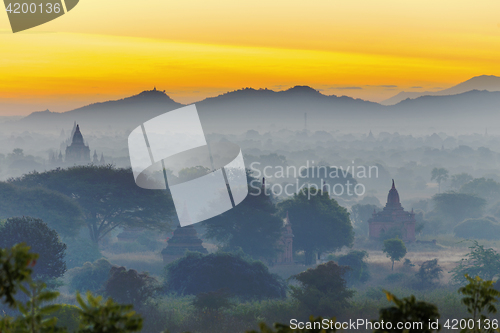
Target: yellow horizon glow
{"points": [[104, 50]]}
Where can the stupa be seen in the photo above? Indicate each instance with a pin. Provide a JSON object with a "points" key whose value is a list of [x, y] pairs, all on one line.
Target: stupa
{"points": [[184, 239]]}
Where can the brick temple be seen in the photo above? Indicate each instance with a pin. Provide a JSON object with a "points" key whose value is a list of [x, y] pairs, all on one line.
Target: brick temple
{"points": [[393, 216]]}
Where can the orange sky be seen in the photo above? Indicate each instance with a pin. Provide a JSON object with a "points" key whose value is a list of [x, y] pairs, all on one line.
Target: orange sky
{"points": [[110, 49]]}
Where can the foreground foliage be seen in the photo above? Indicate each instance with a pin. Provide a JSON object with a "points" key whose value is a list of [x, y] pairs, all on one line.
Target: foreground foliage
{"points": [[480, 296]]}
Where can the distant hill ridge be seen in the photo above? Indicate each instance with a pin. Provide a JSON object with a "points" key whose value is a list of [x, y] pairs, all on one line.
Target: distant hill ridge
{"points": [[249, 108], [482, 82]]}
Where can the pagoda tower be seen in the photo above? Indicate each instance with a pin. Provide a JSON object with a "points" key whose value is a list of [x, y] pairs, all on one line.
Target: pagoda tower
{"points": [[184, 239], [78, 152], [394, 217]]}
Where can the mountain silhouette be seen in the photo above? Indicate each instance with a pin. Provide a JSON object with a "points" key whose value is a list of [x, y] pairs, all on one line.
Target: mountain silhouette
{"points": [[245, 109], [120, 113], [483, 82]]}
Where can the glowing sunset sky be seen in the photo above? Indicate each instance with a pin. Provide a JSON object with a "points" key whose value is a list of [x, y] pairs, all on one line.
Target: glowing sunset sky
{"points": [[108, 49]]}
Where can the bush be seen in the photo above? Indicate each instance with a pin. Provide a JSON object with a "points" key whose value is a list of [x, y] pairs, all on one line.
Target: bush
{"points": [[429, 274], [396, 277], [212, 301], [42, 240], [358, 268], [89, 277], [482, 228], [196, 273], [129, 286]]}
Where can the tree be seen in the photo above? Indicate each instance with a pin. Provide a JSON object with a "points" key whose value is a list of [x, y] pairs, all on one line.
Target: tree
{"points": [[355, 260], [482, 187], [99, 316], [429, 273], [108, 196], [481, 262], [458, 206], [480, 296], [196, 273], [57, 210], [460, 179], [394, 249], [251, 226], [90, 277], [360, 214], [130, 286], [319, 223], [482, 228], [417, 314], [41, 239], [323, 289], [439, 175], [15, 268]]}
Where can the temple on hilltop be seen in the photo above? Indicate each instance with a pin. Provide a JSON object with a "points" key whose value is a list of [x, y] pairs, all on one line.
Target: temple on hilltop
{"points": [[393, 216], [77, 152], [184, 239], [286, 242]]}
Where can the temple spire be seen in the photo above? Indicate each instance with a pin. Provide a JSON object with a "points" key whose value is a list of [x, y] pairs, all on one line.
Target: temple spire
{"points": [[393, 186]]}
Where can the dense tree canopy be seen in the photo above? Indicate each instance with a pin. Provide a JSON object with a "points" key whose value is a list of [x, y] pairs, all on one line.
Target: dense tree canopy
{"points": [[196, 273], [482, 187], [57, 210], [108, 196], [130, 286], [460, 179], [251, 226], [319, 223], [455, 207], [42, 240], [355, 260], [323, 289], [481, 228], [89, 277]]}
